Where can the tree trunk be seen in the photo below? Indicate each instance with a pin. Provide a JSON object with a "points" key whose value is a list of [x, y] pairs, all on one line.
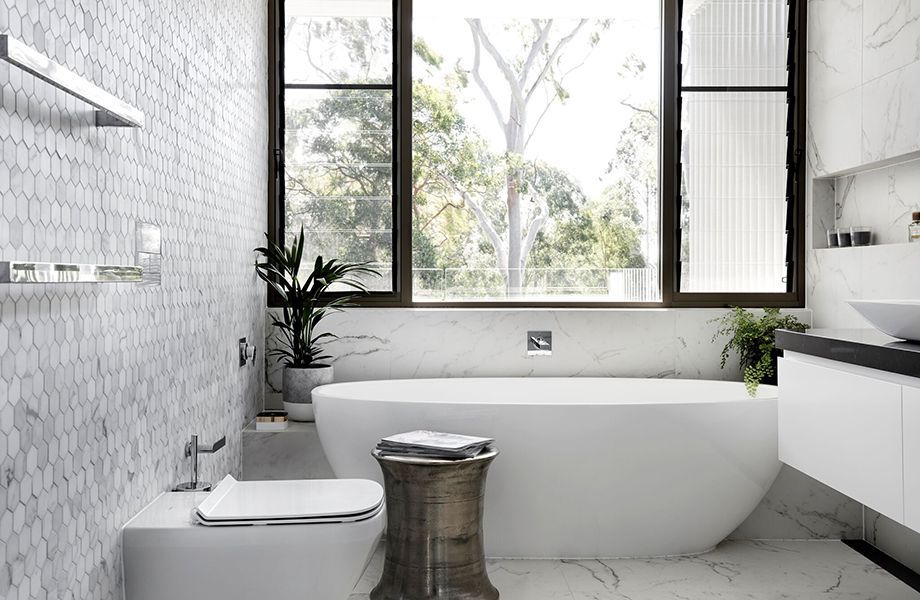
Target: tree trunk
{"points": [[515, 275], [521, 90], [514, 147]]}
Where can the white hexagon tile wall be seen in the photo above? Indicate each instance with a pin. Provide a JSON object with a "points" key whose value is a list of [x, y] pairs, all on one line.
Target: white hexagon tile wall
{"points": [[103, 383]]}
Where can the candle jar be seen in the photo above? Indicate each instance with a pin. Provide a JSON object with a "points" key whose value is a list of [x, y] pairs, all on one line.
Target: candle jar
{"points": [[861, 236], [844, 237]]}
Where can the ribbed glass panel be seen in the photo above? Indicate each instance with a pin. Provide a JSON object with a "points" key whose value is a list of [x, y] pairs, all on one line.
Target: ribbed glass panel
{"points": [[733, 180], [734, 146], [734, 42]]}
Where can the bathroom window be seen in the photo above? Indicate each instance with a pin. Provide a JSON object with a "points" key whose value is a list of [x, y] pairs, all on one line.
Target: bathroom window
{"points": [[536, 153], [337, 162], [734, 151], [535, 150]]}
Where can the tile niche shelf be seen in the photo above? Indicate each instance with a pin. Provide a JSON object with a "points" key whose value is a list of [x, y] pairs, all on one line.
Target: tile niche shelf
{"points": [[112, 112], [881, 195], [44, 272]]}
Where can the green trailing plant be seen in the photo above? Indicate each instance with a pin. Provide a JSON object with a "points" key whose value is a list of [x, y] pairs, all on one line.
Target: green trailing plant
{"points": [[303, 304], [753, 340]]}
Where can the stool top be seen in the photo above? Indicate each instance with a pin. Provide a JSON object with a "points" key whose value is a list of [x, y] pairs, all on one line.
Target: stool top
{"points": [[488, 454]]}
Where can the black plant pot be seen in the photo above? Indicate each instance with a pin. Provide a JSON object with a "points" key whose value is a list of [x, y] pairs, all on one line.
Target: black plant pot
{"points": [[772, 379]]}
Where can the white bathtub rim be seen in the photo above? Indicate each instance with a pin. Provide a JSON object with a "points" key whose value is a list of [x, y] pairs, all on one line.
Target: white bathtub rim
{"points": [[367, 392]]}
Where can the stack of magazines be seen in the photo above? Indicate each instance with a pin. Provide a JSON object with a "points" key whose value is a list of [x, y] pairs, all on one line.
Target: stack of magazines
{"points": [[433, 444]]}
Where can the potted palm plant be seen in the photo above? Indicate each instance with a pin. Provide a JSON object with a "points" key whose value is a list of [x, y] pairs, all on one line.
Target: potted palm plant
{"points": [[303, 307], [753, 339]]}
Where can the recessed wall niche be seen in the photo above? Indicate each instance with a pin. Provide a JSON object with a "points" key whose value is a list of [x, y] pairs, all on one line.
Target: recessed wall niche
{"points": [[881, 196]]}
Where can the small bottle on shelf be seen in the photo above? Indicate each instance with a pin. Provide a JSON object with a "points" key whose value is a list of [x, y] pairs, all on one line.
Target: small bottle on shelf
{"points": [[914, 228]]}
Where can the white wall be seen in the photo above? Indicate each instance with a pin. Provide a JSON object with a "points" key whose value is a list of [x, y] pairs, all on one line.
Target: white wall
{"points": [[864, 125], [864, 137], [101, 385], [388, 343], [453, 342], [415, 343]]}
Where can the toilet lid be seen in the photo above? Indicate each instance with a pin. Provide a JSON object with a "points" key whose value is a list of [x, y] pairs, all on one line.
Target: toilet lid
{"points": [[297, 501]]}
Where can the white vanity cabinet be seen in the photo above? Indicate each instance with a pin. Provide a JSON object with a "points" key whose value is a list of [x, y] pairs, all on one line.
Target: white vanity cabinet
{"points": [[844, 428], [911, 407]]}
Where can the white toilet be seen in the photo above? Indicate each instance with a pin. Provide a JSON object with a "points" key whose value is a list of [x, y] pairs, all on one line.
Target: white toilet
{"points": [[254, 539]]}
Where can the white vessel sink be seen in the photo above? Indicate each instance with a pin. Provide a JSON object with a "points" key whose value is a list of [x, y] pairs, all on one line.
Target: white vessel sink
{"points": [[897, 318]]}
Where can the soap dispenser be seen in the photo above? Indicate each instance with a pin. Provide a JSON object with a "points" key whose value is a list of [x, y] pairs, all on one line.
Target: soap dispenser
{"points": [[914, 228]]}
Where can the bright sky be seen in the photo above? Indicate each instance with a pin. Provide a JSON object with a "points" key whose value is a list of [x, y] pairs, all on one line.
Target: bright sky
{"points": [[580, 135]]}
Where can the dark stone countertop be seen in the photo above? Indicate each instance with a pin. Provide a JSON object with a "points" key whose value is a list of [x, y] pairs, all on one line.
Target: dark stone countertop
{"points": [[864, 347]]}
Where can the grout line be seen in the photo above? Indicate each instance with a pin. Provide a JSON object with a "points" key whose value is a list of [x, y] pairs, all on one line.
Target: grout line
{"points": [[862, 514]]}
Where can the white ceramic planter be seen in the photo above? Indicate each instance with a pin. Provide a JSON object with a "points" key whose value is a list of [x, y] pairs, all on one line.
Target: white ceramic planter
{"points": [[298, 386]]}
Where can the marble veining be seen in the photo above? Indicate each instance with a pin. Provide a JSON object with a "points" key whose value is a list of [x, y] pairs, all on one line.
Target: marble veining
{"points": [[734, 570], [890, 114], [798, 507], [891, 36], [864, 107], [835, 144], [863, 82], [384, 344], [832, 51], [898, 541], [878, 272]]}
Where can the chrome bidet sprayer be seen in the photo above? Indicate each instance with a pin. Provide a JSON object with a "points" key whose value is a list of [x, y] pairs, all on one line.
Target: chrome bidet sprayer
{"points": [[192, 450]]}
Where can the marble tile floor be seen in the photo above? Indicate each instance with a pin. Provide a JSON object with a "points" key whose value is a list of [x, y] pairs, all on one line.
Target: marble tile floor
{"points": [[735, 570]]}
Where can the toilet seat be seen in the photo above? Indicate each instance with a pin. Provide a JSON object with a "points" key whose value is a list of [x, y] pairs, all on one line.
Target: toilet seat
{"points": [[290, 502]]}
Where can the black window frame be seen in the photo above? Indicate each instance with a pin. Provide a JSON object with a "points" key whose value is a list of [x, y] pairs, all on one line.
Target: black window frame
{"points": [[669, 172]]}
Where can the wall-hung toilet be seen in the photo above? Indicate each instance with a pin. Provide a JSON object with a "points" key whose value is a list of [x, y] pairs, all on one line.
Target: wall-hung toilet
{"points": [[254, 539]]}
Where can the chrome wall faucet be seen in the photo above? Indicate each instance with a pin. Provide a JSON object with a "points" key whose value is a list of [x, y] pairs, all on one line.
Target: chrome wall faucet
{"points": [[192, 450], [539, 343]]}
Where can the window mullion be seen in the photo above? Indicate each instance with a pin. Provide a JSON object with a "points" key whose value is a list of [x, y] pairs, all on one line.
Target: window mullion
{"points": [[339, 86], [793, 154], [676, 196], [402, 146], [670, 198], [792, 179]]}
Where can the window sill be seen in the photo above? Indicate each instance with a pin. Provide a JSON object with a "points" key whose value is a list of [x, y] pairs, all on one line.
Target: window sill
{"points": [[556, 309]]}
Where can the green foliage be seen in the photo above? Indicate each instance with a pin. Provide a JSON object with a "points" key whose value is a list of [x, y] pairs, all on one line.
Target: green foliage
{"points": [[602, 233], [424, 51], [753, 339], [302, 307], [333, 136], [329, 187]]}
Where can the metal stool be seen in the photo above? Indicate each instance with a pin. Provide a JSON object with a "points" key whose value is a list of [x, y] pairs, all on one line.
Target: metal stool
{"points": [[434, 529]]}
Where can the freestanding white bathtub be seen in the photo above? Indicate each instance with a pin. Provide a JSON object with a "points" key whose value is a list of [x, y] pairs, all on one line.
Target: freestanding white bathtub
{"points": [[588, 467]]}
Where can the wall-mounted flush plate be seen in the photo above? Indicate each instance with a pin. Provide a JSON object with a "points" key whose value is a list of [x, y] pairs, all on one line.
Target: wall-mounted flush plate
{"points": [[539, 343], [247, 353]]}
